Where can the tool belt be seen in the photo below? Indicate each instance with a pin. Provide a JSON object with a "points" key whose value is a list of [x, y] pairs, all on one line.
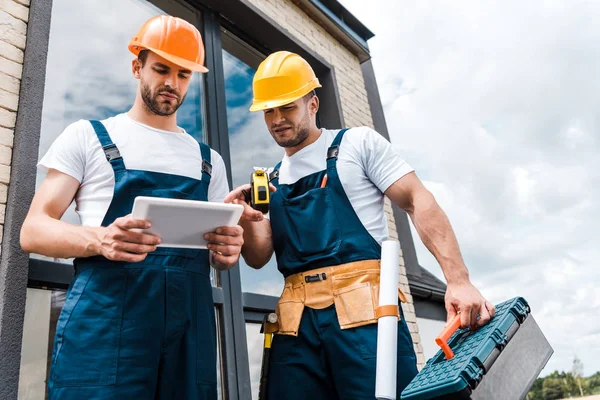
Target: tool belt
{"points": [[352, 287]]}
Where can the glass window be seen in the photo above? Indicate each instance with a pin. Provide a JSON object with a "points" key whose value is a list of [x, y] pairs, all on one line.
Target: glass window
{"points": [[88, 72], [42, 309], [255, 341], [251, 144]]}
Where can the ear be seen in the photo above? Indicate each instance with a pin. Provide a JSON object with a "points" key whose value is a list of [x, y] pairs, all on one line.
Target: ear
{"points": [[136, 68], [313, 105]]}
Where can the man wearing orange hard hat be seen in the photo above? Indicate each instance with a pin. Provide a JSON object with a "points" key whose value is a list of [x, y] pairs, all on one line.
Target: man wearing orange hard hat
{"points": [[326, 225], [138, 320]]}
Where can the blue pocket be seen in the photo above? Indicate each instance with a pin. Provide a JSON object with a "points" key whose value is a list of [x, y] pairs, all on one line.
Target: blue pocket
{"points": [[312, 227], [88, 331]]}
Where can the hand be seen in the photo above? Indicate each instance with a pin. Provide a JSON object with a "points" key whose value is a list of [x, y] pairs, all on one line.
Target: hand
{"points": [[119, 243], [225, 245], [238, 196], [475, 310]]}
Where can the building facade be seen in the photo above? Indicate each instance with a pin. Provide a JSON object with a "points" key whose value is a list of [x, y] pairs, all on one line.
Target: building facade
{"points": [[64, 60]]}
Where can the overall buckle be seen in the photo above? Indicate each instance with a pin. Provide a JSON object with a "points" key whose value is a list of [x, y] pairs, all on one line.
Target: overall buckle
{"points": [[333, 152], [206, 167], [111, 151]]}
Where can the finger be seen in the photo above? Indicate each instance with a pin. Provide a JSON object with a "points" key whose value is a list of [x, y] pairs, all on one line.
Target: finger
{"points": [[250, 214], [475, 314], [236, 193], [131, 223], [451, 312], [465, 317], [490, 308], [133, 247], [230, 230], [126, 257], [484, 316], [223, 260], [213, 238], [272, 188], [225, 250], [138, 238]]}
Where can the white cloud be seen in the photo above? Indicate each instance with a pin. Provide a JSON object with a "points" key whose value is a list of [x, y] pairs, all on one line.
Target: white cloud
{"points": [[495, 105]]}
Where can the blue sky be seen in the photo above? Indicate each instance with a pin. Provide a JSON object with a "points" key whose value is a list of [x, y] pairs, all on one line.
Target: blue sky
{"points": [[495, 105]]}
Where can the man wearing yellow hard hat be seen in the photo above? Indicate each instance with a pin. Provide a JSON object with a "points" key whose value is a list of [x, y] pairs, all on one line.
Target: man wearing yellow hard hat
{"points": [[326, 224], [138, 321]]}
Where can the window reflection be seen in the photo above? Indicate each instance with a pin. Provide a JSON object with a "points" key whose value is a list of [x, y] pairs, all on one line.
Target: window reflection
{"points": [[88, 71], [42, 309], [251, 145]]}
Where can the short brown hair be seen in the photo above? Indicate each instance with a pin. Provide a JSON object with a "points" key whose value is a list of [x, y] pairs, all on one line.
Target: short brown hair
{"points": [[143, 56], [309, 95]]}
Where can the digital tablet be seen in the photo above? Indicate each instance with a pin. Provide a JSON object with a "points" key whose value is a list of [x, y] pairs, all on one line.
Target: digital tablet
{"points": [[183, 223]]}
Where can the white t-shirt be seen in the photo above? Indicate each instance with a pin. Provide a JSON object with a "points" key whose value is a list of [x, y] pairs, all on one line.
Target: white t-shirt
{"points": [[78, 153], [367, 165]]}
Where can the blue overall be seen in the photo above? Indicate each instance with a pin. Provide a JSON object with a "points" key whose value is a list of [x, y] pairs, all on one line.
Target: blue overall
{"points": [[141, 330], [312, 228]]}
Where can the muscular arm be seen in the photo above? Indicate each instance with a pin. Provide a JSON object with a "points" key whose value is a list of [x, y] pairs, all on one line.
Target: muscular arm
{"points": [[431, 224], [258, 243], [437, 235], [44, 233]]}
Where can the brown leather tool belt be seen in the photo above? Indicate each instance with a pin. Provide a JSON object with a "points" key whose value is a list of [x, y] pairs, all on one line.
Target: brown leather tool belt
{"points": [[352, 287]]}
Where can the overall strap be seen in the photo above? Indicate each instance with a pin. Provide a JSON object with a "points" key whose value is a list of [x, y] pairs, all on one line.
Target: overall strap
{"points": [[206, 165], [274, 175], [113, 156], [334, 150]]}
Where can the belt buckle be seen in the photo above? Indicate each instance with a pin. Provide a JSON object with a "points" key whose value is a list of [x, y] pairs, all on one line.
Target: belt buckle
{"points": [[315, 277]]}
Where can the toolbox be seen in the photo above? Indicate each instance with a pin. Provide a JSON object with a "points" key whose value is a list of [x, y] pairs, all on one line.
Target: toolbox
{"points": [[499, 361]]}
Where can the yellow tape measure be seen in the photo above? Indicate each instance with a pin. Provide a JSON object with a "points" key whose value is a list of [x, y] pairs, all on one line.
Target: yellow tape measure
{"points": [[260, 195]]}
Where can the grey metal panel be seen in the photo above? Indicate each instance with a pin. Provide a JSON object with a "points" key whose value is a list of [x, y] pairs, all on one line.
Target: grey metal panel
{"points": [[254, 316], [518, 365], [374, 99], [330, 109], [13, 266], [259, 302], [429, 309], [49, 274]]}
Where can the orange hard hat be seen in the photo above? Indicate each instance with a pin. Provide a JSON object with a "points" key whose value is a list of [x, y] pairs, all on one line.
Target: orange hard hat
{"points": [[173, 39]]}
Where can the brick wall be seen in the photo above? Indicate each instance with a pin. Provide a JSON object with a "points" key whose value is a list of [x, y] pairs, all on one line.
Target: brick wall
{"points": [[353, 97], [13, 29]]}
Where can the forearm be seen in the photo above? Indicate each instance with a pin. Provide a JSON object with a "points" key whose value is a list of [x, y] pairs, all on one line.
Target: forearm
{"points": [[437, 235], [54, 238], [258, 243]]}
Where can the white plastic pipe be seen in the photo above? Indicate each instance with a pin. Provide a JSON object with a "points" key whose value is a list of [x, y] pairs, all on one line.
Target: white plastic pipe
{"points": [[387, 327]]}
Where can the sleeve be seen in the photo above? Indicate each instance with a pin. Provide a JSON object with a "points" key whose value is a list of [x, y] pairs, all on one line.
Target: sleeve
{"points": [[219, 187], [382, 163], [67, 153]]}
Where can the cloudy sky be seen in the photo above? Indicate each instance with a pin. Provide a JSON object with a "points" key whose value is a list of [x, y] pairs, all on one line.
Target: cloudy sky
{"points": [[495, 103]]}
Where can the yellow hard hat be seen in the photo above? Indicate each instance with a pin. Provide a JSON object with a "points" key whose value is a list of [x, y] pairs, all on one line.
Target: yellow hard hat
{"points": [[173, 39], [282, 78]]}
